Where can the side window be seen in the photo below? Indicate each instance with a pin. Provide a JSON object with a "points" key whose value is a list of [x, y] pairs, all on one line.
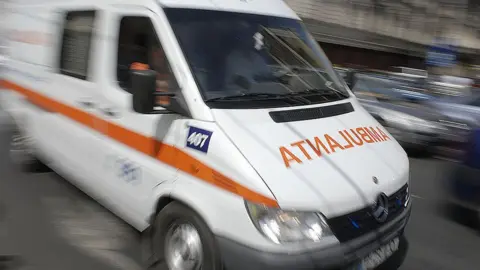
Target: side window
{"points": [[138, 43], [77, 40]]}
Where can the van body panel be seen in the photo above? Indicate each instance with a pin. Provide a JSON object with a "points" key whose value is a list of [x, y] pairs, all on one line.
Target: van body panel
{"points": [[334, 183], [263, 7]]}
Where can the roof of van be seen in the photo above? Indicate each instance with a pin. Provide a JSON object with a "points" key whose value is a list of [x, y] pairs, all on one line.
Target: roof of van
{"points": [[262, 7]]}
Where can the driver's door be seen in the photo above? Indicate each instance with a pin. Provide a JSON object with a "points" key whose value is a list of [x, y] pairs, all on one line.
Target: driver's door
{"points": [[129, 141]]}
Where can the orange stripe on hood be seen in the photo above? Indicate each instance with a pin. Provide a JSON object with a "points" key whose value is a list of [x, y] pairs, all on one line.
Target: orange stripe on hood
{"points": [[165, 153]]}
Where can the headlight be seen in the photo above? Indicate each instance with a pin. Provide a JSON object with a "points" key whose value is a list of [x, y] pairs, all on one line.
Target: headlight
{"points": [[407, 197], [283, 226]]}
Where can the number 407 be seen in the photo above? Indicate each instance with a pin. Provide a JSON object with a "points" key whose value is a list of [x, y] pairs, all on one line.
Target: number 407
{"points": [[197, 139]]}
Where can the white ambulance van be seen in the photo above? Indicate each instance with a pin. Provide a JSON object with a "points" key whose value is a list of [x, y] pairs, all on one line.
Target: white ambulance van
{"points": [[218, 128]]}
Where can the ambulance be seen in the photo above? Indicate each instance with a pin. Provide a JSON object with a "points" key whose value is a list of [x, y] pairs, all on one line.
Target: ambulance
{"points": [[217, 128]]}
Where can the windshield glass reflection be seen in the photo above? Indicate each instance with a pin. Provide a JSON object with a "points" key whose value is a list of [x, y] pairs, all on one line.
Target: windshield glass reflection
{"points": [[236, 54]]}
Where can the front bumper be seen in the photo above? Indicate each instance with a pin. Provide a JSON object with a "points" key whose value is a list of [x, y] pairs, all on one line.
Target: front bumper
{"points": [[239, 257]]}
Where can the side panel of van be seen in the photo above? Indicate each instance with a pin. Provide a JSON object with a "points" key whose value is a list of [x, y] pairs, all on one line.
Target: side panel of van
{"points": [[27, 65], [128, 141], [60, 88], [40, 38]]}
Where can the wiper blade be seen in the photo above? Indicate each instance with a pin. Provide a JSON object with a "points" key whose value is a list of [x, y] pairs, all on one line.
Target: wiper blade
{"points": [[248, 96], [325, 91], [295, 96]]}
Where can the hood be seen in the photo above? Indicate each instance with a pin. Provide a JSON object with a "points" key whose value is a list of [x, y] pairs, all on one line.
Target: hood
{"points": [[325, 164]]}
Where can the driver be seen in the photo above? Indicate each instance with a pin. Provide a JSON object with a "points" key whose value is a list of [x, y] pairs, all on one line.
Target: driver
{"points": [[159, 64], [244, 64]]}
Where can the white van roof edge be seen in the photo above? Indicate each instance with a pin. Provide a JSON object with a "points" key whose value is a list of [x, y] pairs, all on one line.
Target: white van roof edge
{"points": [[276, 8]]}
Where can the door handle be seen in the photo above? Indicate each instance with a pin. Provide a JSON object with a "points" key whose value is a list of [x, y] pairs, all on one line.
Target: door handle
{"points": [[87, 103], [109, 112]]}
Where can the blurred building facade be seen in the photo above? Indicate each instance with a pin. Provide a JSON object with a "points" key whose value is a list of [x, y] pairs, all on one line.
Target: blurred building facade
{"points": [[384, 33], [400, 32]]}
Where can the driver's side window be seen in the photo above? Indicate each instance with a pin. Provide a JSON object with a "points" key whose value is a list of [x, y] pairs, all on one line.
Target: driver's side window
{"points": [[139, 47]]}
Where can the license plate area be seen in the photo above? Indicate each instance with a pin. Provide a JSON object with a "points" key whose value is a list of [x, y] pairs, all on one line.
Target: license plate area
{"points": [[379, 256]]}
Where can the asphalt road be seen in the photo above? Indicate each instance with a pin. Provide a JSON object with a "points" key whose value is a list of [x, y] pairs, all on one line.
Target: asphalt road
{"points": [[47, 224]]}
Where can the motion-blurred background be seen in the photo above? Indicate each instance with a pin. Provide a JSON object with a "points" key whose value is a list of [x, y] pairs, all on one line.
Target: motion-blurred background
{"points": [[413, 63]]}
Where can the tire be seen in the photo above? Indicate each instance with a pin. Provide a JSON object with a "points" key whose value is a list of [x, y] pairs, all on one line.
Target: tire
{"points": [[21, 152], [178, 216]]}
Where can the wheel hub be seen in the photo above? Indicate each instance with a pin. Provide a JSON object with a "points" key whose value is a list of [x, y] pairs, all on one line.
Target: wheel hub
{"points": [[183, 248]]}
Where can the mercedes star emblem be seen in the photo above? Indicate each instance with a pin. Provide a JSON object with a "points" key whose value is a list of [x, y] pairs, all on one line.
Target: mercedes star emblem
{"points": [[380, 208]]}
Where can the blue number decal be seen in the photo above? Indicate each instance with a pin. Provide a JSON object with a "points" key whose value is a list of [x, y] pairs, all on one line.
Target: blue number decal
{"points": [[199, 139]]}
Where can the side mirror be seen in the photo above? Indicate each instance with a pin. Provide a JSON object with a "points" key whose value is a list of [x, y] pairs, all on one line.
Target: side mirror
{"points": [[144, 90]]}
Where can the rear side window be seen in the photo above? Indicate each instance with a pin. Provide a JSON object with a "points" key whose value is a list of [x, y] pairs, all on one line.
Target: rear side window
{"points": [[76, 44]]}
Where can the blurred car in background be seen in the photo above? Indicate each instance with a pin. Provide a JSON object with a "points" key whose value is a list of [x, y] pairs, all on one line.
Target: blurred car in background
{"points": [[414, 83], [410, 72], [411, 86], [415, 126], [421, 119], [461, 114], [442, 89], [463, 187], [415, 78]]}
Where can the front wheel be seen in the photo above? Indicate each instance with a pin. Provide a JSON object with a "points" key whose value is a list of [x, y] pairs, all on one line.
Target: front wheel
{"points": [[21, 151], [182, 241]]}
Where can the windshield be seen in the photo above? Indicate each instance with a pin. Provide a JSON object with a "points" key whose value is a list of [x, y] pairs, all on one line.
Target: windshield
{"points": [[236, 54]]}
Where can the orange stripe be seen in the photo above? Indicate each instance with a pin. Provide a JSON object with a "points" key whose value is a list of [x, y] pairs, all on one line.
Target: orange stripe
{"points": [[165, 153]]}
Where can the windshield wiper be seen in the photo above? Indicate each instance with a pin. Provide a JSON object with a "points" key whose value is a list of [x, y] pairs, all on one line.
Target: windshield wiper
{"points": [[295, 96], [324, 91], [249, 96]]}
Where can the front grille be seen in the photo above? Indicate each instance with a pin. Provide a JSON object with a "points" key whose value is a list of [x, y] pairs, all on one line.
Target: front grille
{"points": [[358, 223]]}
